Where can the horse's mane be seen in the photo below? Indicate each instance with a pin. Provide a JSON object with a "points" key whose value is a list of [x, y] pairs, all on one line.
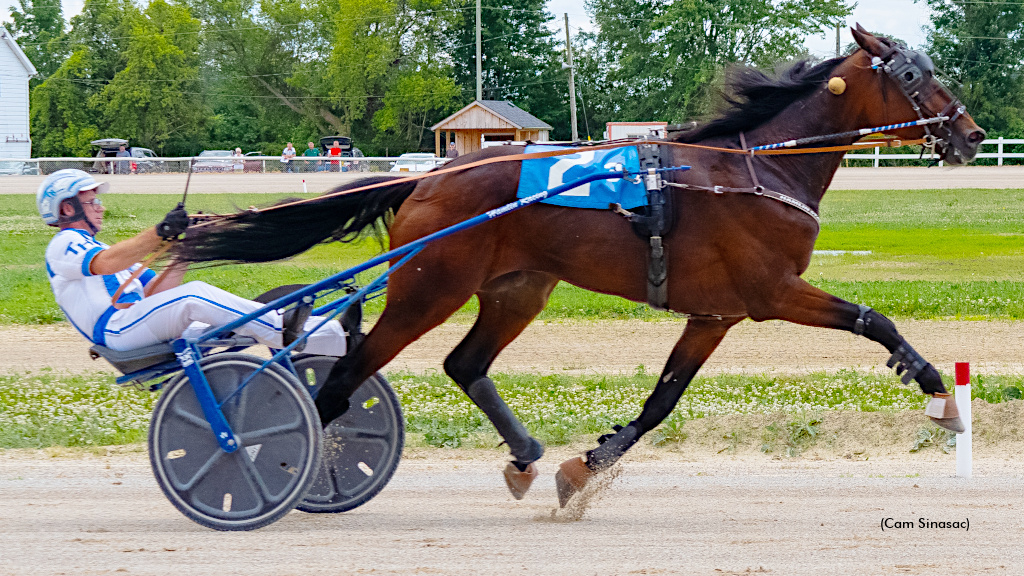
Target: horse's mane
{"points": [[754, 97]]}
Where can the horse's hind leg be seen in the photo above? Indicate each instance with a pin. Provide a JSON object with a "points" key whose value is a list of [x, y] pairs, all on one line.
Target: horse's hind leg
{"points": [[416, 304], [699, 340], [805, 304], [507, 305]]}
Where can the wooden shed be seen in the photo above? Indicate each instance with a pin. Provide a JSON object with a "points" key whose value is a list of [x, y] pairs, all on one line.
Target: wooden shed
{"points": [[488, 121]]}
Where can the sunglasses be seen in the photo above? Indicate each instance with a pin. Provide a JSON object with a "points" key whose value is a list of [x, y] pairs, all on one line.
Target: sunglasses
{"points": [[95, 202]]}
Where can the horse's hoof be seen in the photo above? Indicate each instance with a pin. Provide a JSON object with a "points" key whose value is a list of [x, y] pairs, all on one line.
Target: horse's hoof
{"points": [[571, 477], [519, 482], [951, 424], [942, 410]]}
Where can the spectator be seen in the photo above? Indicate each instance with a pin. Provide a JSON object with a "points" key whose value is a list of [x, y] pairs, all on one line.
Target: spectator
{"points": [[452, 153], [238, 164], [123, 167], [335, 151], [310, 152], [286, 156]]}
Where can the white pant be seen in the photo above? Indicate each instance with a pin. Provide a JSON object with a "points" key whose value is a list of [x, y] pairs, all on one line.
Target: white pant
{"points": [[188, 310]]}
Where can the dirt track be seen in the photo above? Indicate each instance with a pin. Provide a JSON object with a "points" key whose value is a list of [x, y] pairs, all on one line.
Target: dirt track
{"points": [[452, 515], [620, 346]]}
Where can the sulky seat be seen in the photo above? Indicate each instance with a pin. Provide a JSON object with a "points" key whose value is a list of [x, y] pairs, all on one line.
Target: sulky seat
{"points": [[129, 361]]}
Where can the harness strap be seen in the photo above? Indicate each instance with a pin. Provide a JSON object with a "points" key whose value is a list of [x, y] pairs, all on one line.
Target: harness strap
{"points": [[759, 191], [750, 161]]}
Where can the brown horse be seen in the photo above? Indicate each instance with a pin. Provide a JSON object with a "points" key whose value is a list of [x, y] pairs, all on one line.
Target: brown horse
{"points": [[729, 256]]}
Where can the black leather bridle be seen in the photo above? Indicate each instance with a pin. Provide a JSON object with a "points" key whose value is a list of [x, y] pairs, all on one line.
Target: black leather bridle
{"points": [[913, 73]]}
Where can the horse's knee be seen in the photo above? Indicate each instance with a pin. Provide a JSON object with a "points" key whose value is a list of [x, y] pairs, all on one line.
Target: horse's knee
{"points": [[457, 369]]}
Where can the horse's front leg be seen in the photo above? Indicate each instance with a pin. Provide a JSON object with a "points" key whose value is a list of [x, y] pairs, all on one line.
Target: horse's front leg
{"points": [[699, 340], [802, 303]]}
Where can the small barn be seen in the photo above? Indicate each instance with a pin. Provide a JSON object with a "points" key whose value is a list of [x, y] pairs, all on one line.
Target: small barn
{"points": [[488, 121], [15, 70]]}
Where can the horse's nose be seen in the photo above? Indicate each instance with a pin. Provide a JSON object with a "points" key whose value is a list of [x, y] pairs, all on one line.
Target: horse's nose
{"points": [[975, 137]]}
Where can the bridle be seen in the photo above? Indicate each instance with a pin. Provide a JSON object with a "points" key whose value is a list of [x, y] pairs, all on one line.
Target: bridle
{"points": [[912, 72]]}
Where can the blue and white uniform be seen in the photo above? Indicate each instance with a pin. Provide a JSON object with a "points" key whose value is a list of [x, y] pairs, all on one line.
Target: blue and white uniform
{"points": [[185, 310]]}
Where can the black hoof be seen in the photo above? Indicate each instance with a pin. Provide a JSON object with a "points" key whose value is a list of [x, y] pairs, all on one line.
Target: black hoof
{"points": [[328, 415]]}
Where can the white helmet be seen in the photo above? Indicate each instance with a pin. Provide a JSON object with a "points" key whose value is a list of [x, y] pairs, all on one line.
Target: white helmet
{"points": [[60, 186]]}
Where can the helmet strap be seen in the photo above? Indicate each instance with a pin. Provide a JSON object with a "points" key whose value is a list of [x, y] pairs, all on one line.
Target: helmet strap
{"points": [[79, 214]]}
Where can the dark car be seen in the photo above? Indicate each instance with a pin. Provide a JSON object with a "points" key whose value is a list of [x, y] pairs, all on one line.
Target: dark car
{"points": [[347, 151]]}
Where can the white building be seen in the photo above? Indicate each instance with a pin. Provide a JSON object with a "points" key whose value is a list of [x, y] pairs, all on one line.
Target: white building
{"points": [[15, 70], [618, 130]]}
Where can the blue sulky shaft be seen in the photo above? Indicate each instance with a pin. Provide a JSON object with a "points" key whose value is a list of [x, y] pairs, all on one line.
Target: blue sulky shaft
{"points": [[212, 409]]}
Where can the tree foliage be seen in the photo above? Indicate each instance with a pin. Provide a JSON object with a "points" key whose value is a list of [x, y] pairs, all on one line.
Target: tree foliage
{"points": [[660, 60], [182, 75], [38, 27], [980, 45]]}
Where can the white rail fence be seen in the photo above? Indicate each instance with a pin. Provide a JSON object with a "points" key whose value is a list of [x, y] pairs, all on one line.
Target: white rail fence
{"points": [[875, 155], [227, 165], [998, 149]]}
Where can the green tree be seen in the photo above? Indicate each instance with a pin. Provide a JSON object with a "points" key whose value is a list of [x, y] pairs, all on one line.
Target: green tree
{"points": [[655, 60], [62, 108], [981, 47], [38, 27], [156, 95], [521, 58]]}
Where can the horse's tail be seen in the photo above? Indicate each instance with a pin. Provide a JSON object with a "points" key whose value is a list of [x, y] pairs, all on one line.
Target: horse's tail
{"points": [[288, 228]]}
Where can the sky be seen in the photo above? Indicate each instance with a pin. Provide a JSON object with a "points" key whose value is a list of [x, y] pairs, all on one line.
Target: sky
{"points": [[903, 19]]}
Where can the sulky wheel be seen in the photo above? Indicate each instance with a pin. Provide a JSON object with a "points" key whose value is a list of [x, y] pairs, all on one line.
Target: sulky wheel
{"points": [[277, 423], [362, 447]]}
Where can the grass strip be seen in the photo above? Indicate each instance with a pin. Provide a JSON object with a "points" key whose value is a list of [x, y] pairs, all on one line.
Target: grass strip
{"points": [[39, 410]]}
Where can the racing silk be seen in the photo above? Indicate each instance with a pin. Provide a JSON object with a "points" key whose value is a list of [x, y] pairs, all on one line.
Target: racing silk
{"points": [[83, 296]]}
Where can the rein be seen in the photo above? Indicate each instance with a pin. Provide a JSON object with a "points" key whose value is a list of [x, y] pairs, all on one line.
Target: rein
{"points": [[160, 251]]}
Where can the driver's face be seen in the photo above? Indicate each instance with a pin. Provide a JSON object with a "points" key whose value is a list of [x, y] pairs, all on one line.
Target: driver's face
{"points": [[93, 212]]}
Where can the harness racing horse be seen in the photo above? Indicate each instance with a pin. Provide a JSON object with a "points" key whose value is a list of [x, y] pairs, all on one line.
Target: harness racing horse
{"points": [[730, 256]]}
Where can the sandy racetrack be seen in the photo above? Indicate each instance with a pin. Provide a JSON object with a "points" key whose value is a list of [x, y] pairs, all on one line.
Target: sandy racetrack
{"points": [[452, 515], [668, 511]]}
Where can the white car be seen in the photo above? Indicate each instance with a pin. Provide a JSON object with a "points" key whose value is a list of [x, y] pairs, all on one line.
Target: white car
{"points": [[415, 162]]}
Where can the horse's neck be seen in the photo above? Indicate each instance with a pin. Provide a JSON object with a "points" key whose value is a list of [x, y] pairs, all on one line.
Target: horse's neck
{"points": [[805, 176]]}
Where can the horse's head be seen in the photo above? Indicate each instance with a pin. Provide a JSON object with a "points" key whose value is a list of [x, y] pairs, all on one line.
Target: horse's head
{"points": [[896, 84]]}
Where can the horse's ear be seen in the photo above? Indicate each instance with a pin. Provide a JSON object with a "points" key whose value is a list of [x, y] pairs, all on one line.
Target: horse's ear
{"points": [[867, 40]]}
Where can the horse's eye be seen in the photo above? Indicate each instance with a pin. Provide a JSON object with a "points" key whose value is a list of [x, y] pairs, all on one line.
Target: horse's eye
{"points": [[908, 76]]}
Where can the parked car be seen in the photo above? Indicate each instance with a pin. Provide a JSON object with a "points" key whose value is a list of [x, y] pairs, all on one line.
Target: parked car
{"points": [[14, 168], [347, 151], [214, 161], [415, 162], [140, 163]]}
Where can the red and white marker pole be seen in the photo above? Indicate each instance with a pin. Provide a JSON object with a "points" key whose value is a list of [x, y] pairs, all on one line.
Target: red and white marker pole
{"points": [[303, 185], [963, 404]]}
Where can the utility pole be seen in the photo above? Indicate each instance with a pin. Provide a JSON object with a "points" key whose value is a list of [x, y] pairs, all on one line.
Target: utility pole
{"points": [[837, 40], [572, 82], [479, 64]]}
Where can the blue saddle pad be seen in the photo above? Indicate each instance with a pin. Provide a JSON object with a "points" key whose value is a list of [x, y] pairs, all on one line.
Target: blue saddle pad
{"points": [[546, 173]]}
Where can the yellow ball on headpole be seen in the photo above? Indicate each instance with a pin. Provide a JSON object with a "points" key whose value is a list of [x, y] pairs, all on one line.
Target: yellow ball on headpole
{"points": [[836, 85]]}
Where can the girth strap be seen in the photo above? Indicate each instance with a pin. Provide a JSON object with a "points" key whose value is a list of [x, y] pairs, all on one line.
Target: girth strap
{"points": [[654, 225]]}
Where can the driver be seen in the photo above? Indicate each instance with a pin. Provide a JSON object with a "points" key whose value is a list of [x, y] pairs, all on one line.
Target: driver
{"points": [[86, 273]]}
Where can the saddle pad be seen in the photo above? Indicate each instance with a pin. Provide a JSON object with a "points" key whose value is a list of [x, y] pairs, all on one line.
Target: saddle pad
{"points": [[546, 173]]}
